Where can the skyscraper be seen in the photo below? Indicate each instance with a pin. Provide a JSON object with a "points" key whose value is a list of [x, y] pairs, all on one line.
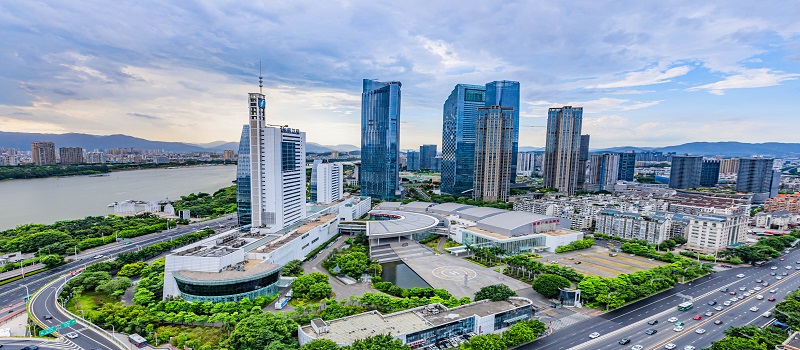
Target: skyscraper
{"points": [[426, 155], [412, 161], [43, 153], [277, 171], [505, 93], [458, 137], [756, 175], [709, 172], [380, 139], [243, 206], [627, 165], [327, 182], [562, 148], [583, 160], [685, 171], [603, 172], [494, 152], [70, 155], [729, 165], [525, 163]]}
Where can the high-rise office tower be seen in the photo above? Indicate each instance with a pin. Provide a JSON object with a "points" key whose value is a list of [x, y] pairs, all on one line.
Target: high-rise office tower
{"points": [[685, 171], [709, 172], [426, 155], [277, 171], [603, 172], [729, 165], [43, 153], [505, 93], [243, 194], [583, 160], [757, 175], [595, 166], [627, 165], [525, 163], [380, 139], [327, 182], [458, 137], [562, 148], [494, 152], [412, 161], [70, 155]]}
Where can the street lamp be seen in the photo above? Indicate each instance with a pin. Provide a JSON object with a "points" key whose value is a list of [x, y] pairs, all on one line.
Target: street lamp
{"points": [[27, 292], [608, 299], [76, 253]]}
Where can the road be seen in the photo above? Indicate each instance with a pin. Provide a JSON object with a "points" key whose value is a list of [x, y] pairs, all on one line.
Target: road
{"points": [[44, 303], [19, 343], [13, 293], [630, 321]]}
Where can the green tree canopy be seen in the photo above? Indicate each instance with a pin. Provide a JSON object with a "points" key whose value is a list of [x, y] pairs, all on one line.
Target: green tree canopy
{"points": [[548, 284], [495, 292], [378, 342], [320, 344], [258, 331]]}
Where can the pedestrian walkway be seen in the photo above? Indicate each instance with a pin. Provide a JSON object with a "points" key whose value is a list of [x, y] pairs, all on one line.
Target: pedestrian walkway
{"points": [[565, 322], [18, 272]]}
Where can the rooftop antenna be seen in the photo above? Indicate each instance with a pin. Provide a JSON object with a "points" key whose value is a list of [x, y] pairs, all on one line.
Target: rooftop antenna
{"points": [[260, 79]]}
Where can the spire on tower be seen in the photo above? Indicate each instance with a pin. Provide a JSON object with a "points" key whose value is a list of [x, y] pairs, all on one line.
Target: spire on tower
{"points": [[260, 79]]}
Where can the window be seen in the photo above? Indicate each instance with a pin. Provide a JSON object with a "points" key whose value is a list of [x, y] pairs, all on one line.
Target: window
{"points": [[288, 156]]}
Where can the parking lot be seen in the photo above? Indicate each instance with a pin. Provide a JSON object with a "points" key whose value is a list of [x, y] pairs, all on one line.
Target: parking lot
{"points": [[598, 261]]}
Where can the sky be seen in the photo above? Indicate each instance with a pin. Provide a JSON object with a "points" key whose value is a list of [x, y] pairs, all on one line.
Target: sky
{"points": [[646, 73]]}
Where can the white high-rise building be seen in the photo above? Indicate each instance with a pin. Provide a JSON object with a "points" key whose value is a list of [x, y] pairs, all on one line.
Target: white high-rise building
{"points": [[277, 171], [326, 182], [525, 163]]}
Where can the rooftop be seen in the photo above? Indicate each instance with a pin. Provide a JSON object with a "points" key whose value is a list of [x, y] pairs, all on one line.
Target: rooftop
{"points": [[418, 206], [478, 213], [560, 233], [407, 222], [251, 267], [449, 208]]}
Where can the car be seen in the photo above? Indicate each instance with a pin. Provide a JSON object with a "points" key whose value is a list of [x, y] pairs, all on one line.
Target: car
{"points": [[700, 331], [726, 303], [784, 274], [797, 267], [679, 323], [594, 335], [772, 274], [759, 281], [724, 290], [652, 322], [48, 317], [571, 258], [747, 294], [624, 341], [709, 313], [650, 331], [770, 299], [672, 320], [783, 259], [732, 293], [759, 297], [754, 309], [72, 335], [740, 297], [678, 328], [31, 347], [637, 347], [633, 254], [773, 291], [765, 284], [797, 262], [554, 262], [773, 268], [568, 266], [670, 346], [743, 288], [778, 277], [757, 288], [717, 322], [734, 299], [741, 275], [751, 291], [99, 256], [577, 263], [712, 303], [697, 318], [688, 347], [788, 267]]}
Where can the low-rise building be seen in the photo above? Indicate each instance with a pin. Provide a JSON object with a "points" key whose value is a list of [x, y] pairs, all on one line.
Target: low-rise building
{"points": [[424, 325], [709, 234], [652, 228], [788, 202], [777, 220]]}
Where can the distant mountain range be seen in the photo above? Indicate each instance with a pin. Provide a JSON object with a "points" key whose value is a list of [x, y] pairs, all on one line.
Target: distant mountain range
{"points": [[22, 140]]}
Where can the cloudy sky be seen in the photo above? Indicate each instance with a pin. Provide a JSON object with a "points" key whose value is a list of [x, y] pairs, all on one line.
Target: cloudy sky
{"points": [[647, 73]]}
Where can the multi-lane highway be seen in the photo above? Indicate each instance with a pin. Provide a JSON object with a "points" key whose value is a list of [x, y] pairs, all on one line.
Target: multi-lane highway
{"points": [[42, 344], [631, 321], [13, 293]]}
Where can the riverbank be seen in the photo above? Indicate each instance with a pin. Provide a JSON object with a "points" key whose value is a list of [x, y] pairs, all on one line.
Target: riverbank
{"points": [[23, 172]]}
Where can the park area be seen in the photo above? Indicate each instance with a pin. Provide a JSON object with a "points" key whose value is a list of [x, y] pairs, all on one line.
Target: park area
{"points": [[597, 261]]}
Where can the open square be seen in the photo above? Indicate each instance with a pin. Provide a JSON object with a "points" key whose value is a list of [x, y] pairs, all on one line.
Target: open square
{"points": [[597, 261]]}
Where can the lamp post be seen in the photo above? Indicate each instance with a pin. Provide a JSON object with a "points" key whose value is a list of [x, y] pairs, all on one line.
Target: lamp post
{"points": [[608, 297], [76, 253], [27, 292]]}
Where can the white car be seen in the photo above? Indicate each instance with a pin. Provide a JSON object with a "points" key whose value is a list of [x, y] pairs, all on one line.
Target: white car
{"points": [[757, 288], [751, 291], [759, 297], [778, 277], [740, 275], [688, 347], [637, 347], [734, 299], [718, 308], [788, 267], [594, 335], [773, 291], [747, 294], [678, 328], [670, 346], [727, 303], [72, 335], [773, 268], [754, 309], [700, 331], [672, 320], [742, 289]]}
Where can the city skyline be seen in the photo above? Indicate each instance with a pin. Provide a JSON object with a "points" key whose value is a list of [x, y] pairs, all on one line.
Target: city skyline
{"points": [[646, 76]]}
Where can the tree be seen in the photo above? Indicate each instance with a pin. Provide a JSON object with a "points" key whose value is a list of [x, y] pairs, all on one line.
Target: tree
{"points": [[319, 291], [143, 297], [679, 240], [378, 342], [519, 333], [549, 284], [486, 342], [260, 330], [302, 285], [495, 292], [293, 268], [52, 260], [353, 264], [134, 269], [736, 343]]}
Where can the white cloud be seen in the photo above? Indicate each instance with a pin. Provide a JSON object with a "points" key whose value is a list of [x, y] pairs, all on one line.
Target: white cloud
{"points": [[650, 76], [606, 104], [745, 79]]}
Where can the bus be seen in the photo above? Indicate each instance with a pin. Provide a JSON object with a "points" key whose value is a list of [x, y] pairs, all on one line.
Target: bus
{"points": [[685, 306], [137, 340]]}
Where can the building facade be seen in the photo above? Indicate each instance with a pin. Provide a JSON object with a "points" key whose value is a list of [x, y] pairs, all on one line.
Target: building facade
{"points": [[243, 194], [729, 166], [562, 149], [788, 202], [505, 93], [228, 154], [70, 155], [756, 175], [380, 139], [709, 172], [685, 171], [652, 228], [494, 151], [525, 163], [710, 234], [95, 157], [627, 164], [583, 162], [327, 182], [458, 137], [412, 161], [427, 153], [603, 172], [43, 153]]}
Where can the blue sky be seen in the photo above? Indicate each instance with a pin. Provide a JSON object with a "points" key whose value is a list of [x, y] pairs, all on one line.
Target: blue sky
{"points": [[647, 73]]}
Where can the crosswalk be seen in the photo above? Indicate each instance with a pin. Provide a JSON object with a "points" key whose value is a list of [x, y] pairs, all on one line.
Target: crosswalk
{"points": [[565, 322]]}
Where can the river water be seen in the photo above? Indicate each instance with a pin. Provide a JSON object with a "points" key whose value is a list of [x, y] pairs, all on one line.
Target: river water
{"points": [[61, 198]]}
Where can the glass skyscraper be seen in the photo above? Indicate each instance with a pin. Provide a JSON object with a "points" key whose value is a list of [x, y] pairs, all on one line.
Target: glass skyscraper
{"points": [[562, 149], [380, 139], [505, 93], [243, 207], [458, 137]]}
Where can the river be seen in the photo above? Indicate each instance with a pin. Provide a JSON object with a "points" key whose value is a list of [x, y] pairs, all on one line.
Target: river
{"points": [[62, 198]]}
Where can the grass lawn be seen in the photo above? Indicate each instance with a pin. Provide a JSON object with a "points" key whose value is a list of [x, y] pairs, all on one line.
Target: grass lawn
{"points": [[89, 301], [203, 334]]}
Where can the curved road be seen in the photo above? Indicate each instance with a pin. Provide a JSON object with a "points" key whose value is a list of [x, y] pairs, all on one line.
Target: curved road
{"points": [[19, 343]]}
